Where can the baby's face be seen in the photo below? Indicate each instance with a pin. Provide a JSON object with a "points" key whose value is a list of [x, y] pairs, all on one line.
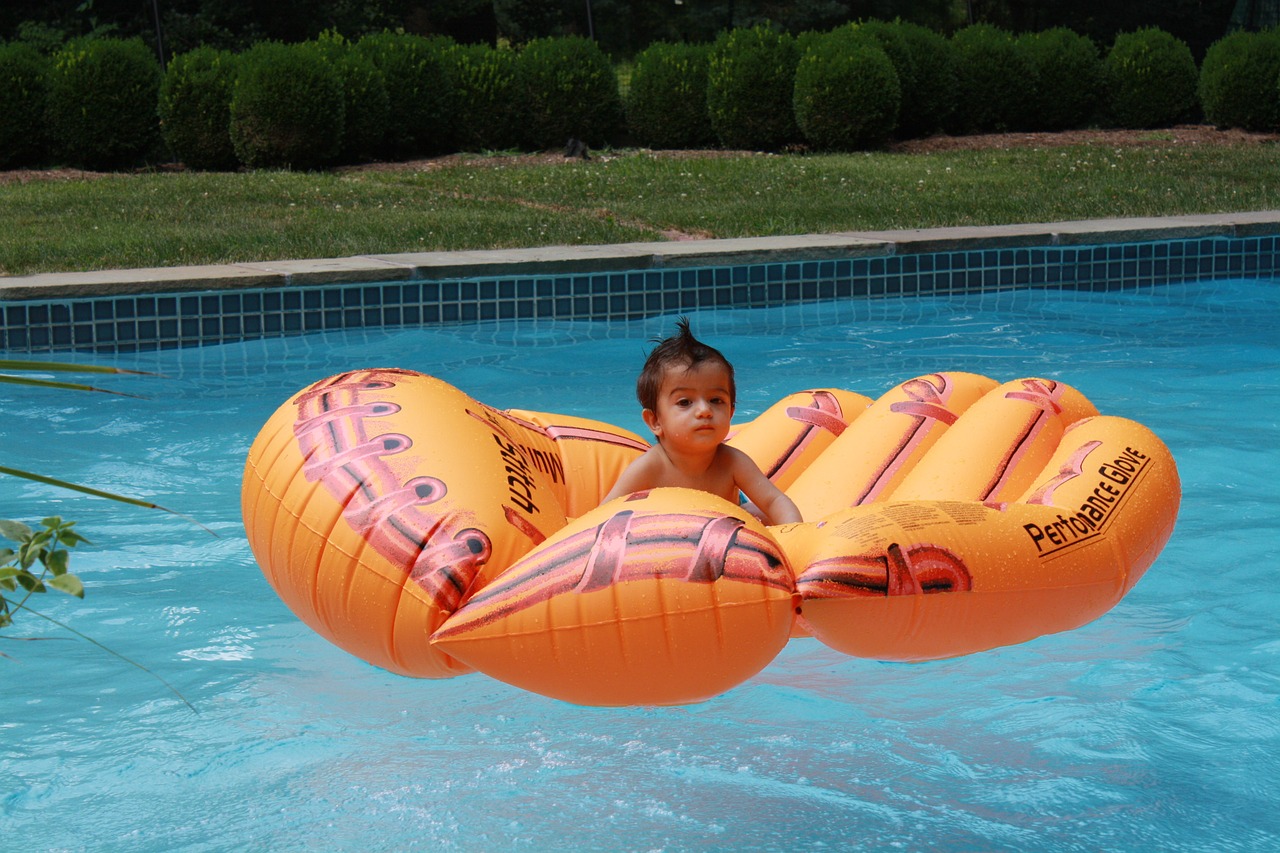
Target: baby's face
{"points": [[694, 407]]}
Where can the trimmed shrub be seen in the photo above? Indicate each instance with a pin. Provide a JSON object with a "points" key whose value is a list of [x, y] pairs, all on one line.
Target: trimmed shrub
{"points": [[417, 72], [846, 94], [667, 101], [195, 108], [1068, 75], [995, 81], [888, 38], [1238, 81], [366, 107], [751, 89], [570, 92], [925, 64], [102, 102], [928, 103], [489, 108], [1151, 80], [287, 107], [24, 92]]}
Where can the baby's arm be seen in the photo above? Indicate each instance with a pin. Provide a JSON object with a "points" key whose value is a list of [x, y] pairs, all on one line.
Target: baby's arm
{"points": [[636, 477], [768, 498]]}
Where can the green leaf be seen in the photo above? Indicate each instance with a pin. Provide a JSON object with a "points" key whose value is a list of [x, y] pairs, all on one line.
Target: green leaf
{"points": [[69, 584], [71, 539], [57, 562], [14, 530], [27, 555], [29, 582]]}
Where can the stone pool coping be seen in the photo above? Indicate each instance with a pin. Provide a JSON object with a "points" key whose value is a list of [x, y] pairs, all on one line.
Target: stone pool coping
{"points": [[427, 266]]}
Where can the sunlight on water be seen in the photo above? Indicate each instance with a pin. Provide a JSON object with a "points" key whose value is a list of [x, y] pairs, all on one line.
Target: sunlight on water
{"points": [[1155, 727]]}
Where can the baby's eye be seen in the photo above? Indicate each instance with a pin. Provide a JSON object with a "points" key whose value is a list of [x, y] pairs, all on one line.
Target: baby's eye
{"points": [[684, 402]]}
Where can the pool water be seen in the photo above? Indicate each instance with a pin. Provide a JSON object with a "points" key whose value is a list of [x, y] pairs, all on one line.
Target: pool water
{"points": [[1155, 727]]}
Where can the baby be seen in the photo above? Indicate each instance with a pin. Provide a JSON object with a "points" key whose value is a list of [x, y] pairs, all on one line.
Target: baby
{"points": [[687, 393]]}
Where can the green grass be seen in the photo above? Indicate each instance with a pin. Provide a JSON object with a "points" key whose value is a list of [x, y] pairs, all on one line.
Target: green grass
{"points": [[170, 219]]}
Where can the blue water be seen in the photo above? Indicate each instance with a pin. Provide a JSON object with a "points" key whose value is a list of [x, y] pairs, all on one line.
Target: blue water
{"points": [[1157, 727]]}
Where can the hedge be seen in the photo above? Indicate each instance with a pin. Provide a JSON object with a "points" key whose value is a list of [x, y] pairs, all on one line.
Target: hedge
{"points": [[1238, 81], [751, 89], [24, 93], [996, 82], [1151, 80], [195, 108], [1068, 78], [667, 100], [287, 108], [570, 91], [102, 102], [846, 93]]}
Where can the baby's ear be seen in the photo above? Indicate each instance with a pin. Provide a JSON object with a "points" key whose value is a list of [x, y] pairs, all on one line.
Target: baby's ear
{"points": [[651, 420]]}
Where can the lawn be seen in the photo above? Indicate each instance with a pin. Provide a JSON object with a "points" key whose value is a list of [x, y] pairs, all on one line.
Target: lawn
{"points": [[59, 221]]}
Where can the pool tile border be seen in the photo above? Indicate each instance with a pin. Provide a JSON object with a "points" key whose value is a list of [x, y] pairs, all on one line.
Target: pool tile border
{"points": [[142, 310]]}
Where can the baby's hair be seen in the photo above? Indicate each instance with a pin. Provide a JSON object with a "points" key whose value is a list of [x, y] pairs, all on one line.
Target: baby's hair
{"points": [[681, 350]]}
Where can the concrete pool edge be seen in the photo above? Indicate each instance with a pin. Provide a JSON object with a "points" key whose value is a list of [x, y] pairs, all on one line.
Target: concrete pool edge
{"points": [[426, 266]]}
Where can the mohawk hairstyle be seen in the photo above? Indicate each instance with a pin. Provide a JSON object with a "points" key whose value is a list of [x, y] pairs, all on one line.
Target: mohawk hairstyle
{"points": [[680, 351]]}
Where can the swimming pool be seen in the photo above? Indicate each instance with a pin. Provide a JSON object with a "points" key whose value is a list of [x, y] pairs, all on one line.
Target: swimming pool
{"points": [[1155, 727]]}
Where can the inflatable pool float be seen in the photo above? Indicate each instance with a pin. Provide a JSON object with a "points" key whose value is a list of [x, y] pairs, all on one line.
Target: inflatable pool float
{"points": [[432, 535]]}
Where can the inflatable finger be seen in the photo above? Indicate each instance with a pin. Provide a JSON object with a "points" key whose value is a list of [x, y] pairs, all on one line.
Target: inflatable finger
{"points": [[669, 596]]}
